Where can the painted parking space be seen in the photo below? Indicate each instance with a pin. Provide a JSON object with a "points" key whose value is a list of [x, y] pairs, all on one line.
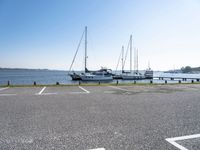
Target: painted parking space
{"points": [[43, 90], [5, 88], [156, 89], [3, 93], [63, 90], [187, 142], [20, 91], [100, 89]]}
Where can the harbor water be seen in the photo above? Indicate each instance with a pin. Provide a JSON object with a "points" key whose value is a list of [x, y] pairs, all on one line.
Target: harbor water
{"points": [[28, 77]]}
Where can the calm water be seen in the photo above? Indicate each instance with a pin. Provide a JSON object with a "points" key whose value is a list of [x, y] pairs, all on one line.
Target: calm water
{"points": [[17, 77], [29, 76]]}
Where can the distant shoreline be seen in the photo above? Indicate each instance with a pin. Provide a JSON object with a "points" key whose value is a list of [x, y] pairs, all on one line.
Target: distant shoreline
{"points": [[30, 69]]}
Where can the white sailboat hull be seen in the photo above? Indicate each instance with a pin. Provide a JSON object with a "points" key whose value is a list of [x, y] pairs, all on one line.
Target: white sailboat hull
{"points": [[132, 77], [96, 78]]}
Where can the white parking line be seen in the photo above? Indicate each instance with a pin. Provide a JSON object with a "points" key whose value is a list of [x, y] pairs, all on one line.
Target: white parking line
{"points": [[49, 94], [86, 91], [1, 89], [8, 94], [41, 91], [187, 137], [118, 88], [98, 149]]}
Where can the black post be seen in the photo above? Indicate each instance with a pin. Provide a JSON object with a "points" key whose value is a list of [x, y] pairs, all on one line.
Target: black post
{"points": [[134, 82], [8, 83], [165, 81], [99, 83], [79, 82], [34, 83], [192, 81], [151, 81], [57, 83], [179, 81], [117, 82]]}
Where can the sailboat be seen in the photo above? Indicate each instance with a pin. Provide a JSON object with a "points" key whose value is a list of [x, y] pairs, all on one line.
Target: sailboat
{"points": [[118, 75], [148, 73], [103, 74], [132, 75]]}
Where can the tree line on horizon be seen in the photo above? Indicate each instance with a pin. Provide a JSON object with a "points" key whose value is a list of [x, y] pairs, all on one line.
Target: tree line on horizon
{"points": [[189, 69]]}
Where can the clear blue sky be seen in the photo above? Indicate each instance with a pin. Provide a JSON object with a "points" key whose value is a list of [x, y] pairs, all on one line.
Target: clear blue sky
{"points": [[45, 33]]}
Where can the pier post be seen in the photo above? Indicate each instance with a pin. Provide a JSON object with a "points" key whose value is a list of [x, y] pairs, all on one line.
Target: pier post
{"points": [[34, 83], [8, 83]]}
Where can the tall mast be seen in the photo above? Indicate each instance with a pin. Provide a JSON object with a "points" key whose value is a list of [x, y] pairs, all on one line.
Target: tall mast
{"points": [[131, 54], [85, 48], [137, 60], [148, 64], [122, 59]]}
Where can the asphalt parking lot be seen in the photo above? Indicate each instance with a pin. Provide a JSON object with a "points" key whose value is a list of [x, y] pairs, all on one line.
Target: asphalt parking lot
{"points": [[159, 117]]}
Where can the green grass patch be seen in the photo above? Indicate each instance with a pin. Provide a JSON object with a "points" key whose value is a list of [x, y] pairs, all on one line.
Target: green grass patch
{"points": [[101, 84]]}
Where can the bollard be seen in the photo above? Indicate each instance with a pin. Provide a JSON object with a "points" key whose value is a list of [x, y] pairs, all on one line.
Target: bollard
{"points": [[172, 78], [179, 81], [192, 81], [8, 83], [79, 82], [151, 81], [134, 82], [57, 83], [34, 83], [117, 82], [99, 83], [197, 80], [165, 81]]}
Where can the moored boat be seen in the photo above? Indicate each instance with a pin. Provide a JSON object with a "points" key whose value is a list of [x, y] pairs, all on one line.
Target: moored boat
{"points": [[148, 74], [133, 76], [100, 75]]}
